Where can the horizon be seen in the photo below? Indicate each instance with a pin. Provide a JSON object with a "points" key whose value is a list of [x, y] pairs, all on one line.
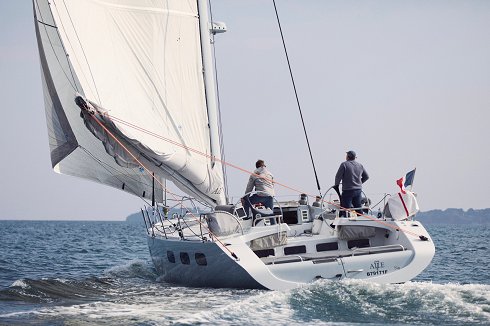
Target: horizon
{"points": [[136, 213]]}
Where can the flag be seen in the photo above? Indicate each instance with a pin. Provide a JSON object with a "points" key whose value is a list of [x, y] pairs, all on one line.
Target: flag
{"points": [[409, 178], [406, 181]]}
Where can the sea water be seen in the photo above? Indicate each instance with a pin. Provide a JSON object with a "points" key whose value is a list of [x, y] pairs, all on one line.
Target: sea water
{"points": [[100, 273]]}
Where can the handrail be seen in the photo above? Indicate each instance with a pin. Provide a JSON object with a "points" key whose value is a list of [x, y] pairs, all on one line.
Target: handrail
{"points": [[379, 248], [278, 259]]}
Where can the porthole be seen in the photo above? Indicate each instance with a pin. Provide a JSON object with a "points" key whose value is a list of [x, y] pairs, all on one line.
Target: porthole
{"points": [[184, 258], [201, 259], [171, 256]]}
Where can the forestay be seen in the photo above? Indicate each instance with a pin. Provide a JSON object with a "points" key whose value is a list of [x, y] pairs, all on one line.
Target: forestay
{"points": [[140, 62]]}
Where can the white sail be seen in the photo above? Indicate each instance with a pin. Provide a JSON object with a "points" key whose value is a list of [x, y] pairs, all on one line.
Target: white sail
{"points": [[140, 62]]}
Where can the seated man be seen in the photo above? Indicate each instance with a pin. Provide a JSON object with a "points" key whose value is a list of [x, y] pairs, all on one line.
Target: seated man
{"points": [[262, 181]]}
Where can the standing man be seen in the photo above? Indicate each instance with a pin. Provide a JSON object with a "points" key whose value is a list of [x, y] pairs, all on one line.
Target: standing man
{"points": [[262, 181], [353, 175]]}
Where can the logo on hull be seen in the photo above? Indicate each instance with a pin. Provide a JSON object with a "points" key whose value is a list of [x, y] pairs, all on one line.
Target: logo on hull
{"points": [[377, 268]]}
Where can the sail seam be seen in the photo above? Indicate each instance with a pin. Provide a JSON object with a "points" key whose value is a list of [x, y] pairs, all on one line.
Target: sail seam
{"points": [[52, 47], [107, 167], [64, 48], [62, 148], [149, 9], [83, 51], [103, 165]]}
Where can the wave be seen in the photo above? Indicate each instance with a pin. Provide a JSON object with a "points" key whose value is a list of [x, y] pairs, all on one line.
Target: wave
{"points": [[133, 269], [352, 301], [136, 301], [49, 290]]}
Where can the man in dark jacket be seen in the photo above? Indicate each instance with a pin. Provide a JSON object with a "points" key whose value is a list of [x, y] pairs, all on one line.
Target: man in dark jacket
{"points": [[353, 175]]}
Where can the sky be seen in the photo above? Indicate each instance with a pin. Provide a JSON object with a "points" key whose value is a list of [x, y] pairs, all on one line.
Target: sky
{"points": [[403, 83]]}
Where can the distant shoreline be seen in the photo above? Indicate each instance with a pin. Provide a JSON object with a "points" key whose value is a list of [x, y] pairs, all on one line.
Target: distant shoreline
{"points": [[455, 216], [435, 216]]}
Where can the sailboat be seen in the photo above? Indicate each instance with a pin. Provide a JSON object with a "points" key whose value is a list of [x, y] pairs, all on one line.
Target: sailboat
{"points": [[131, 102]]}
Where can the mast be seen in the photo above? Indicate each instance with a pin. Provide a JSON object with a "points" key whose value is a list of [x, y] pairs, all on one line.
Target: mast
{"points": [[209, 81]]}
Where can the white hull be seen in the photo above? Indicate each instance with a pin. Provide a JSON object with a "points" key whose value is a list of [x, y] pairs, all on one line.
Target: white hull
{"points": [[388, 256]]}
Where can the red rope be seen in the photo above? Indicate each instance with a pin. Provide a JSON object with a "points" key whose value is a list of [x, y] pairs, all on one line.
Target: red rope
{"points": [[235, 167], [156, 179], [403, 202]]}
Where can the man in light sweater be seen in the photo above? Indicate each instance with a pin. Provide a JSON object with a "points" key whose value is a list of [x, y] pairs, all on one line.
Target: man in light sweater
{"points": [[353, 175], [262, 181]]}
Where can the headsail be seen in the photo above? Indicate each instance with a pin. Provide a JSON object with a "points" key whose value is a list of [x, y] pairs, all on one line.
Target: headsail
{"points": [[141, 62]]}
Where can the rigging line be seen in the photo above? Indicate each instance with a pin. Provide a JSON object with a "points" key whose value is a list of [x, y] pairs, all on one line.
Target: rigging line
{"points": [[83, 51], [384, 197], [150, 173], [105, 168], [108, 168], [220, 129], [64, 48], [196, 151], [238, 168], [297, 99], [51, 43]]}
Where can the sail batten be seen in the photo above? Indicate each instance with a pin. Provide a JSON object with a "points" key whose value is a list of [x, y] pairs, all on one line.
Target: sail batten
{"points": [[142, 62]]}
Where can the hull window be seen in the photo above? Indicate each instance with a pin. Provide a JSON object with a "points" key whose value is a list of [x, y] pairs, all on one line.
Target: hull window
{"points": [[327, 246], [184, 258], [295, 250], [264, 253], [201, 259], [360, 243], [171, 256]]}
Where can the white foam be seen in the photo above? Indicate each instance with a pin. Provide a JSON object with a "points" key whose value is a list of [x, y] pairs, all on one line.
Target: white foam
{"points": [[133, 268], [467, 302], [20, 283], [160, 304]]}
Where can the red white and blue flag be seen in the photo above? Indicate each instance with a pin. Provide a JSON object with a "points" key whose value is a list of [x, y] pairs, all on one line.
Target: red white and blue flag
{"points": [[406, 181]]}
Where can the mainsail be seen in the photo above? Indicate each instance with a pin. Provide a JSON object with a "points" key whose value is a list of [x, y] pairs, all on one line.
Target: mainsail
{"points": [[140, 62]]}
